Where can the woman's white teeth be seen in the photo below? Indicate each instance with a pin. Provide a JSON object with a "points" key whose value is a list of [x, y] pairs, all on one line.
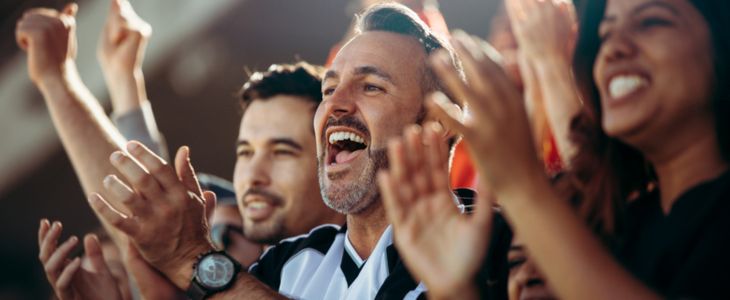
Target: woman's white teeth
{"points": [[621, 86], [345, 136]]}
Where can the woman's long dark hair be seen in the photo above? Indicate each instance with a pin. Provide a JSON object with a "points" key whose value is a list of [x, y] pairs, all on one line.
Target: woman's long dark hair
{"points": [[605, 171]]}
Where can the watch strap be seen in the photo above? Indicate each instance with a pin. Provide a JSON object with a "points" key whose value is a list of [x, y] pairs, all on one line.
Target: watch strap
{"points": [[196, 291]]}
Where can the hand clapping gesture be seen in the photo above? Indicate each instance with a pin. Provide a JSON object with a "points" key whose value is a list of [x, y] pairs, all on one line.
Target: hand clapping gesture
{"points": [[167, 223], [86, 277], [441, 246], [496, 126], [545, 29]]}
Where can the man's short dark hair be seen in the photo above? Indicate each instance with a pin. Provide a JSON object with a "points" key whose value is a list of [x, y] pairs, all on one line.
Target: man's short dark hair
{"points": [[397, 18], [301, 79]]}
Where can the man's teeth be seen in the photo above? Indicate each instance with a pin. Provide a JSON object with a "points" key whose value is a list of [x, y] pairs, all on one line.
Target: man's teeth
{"points": [[345, 136], [257, 204], [621, 86]]}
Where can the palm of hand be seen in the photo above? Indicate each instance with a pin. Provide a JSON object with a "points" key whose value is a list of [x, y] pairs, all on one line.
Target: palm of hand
{"points": [[90, 283], [440, 246], [451, 243], [496, 127], [543, 27]]}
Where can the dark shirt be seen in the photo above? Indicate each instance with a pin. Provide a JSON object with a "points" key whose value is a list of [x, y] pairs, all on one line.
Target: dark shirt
{"points": [[686, 253]]}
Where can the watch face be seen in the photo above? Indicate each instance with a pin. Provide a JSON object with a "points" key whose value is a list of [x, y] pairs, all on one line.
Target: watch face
{"points": [[215, 271]]}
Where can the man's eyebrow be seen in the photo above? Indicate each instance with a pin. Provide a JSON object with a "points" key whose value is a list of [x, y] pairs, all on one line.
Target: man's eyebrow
{"points": [[372, 70], [286, 141], [275, 141], [330, 74], [240, 143]]}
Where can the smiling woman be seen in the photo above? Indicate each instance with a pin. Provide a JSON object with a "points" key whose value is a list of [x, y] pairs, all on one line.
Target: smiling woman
{"points": [[654, 133]]}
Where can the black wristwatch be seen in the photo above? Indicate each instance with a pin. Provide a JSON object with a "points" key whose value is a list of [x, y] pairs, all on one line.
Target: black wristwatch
{"points": [[214, 271]]}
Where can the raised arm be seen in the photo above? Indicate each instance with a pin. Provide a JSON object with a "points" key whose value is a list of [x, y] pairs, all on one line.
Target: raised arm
{"points": [[48, 36], [545, 31], [572, 258], [121, 53]]}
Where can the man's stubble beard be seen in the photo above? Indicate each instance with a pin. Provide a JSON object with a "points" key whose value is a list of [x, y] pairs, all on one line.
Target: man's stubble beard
{"points": [[358, 195], [268, 232]]}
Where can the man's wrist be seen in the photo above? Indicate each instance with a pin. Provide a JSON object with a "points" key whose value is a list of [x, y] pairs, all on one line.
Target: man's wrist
{"points": [[56, 77], [126, 90], [181, 274]]}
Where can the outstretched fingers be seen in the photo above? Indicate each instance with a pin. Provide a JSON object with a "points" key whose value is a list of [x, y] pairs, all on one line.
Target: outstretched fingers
{"points": [[142, 181], [59, 259], [49, 242], [488, 84], [417, 168], [160, 171], [93, 252], [440, 63], [186, 172], [394, 208], [441, 108], [436, 157], [394, 185], [112, 216], [63, 283], [119, 192]]}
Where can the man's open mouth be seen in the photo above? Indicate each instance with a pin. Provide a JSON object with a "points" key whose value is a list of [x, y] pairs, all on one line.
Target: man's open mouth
{"points": [[344, 145]]}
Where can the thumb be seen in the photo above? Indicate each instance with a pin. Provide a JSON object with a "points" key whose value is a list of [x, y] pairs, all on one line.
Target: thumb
{"points": [[210, 200], [449, 115], [92, 247], [71, 9], [114, 8], [185, 171]]}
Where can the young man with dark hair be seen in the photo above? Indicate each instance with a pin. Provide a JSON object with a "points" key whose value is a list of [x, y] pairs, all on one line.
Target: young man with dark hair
{"points": [[373, 91], [275, 176]]}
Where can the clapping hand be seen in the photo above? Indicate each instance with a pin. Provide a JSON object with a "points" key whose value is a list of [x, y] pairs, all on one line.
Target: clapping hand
{"points": [[167, 222], [496, 126], [86, 277], [440, 245], [545, 29]]}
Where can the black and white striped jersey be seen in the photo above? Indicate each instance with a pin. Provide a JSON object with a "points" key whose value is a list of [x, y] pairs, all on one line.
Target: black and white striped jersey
{"points": [[322, 265]]}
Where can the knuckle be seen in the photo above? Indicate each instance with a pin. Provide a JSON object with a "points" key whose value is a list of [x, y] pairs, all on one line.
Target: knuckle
{"points": [[128, 197], [117, 222], [156, 168], [144, 181]]}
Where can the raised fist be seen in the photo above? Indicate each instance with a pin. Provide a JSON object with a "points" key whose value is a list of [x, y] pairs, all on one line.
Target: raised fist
{"points": [[123, 40], [49, 38]]}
